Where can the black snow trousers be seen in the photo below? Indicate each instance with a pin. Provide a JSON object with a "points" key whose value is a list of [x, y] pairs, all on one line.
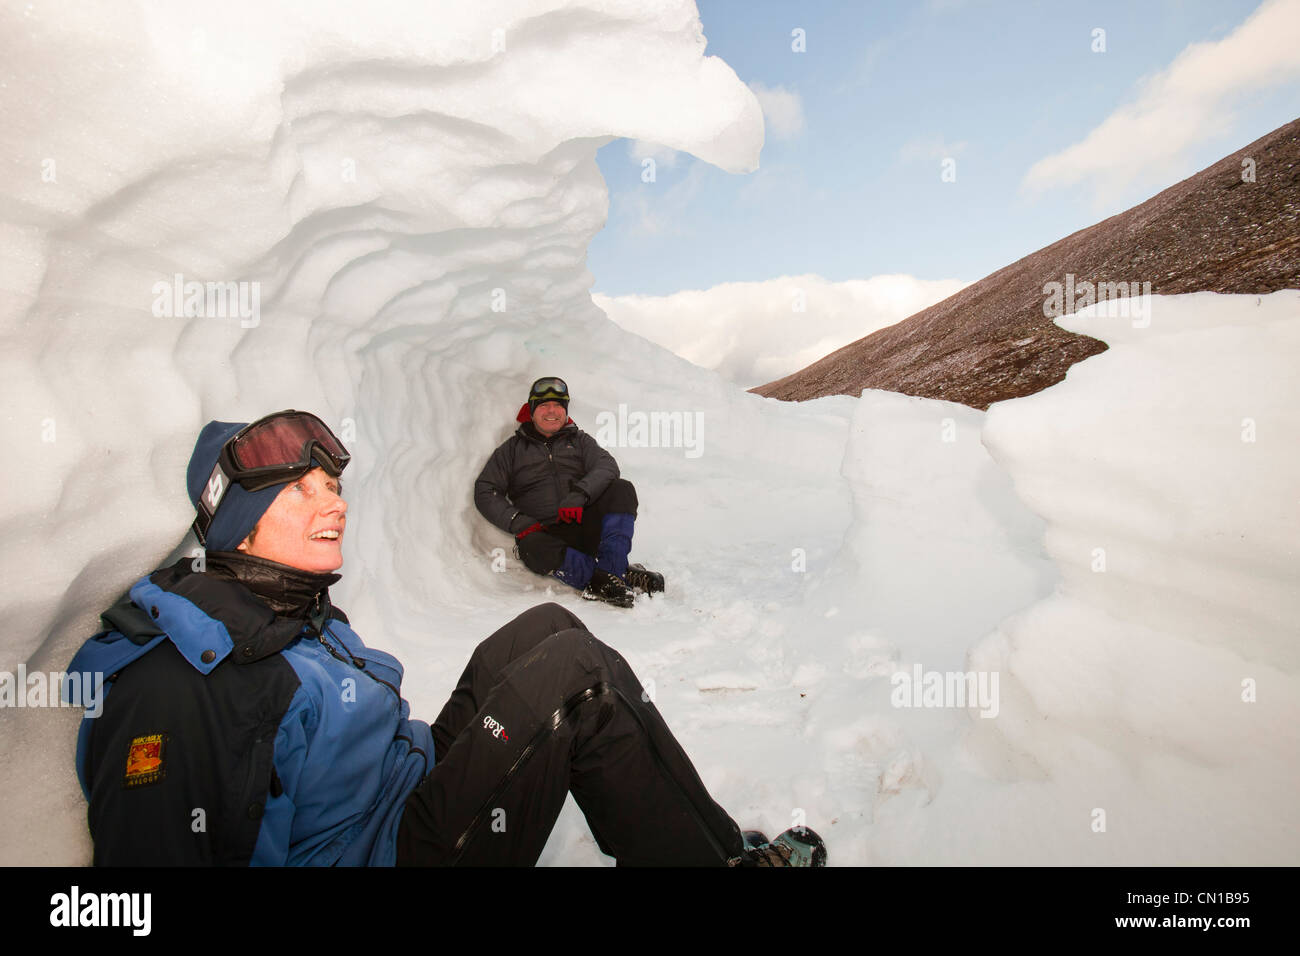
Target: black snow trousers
{"points": [[544, 708], [543, 551]]}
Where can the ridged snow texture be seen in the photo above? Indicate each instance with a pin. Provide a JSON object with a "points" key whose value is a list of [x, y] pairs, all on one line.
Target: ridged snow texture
{"points": [[413, 187]]}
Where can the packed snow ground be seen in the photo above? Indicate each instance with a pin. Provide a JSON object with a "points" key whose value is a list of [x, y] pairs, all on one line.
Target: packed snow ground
{"points": [[813, 551]]}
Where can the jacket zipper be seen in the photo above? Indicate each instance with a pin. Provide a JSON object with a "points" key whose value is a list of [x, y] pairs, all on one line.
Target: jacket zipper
{"points": [[359, 665], [555, 473], [555, 477]]}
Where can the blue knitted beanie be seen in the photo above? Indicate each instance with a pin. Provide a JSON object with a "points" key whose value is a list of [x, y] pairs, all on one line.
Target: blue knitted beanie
{"points": [[239, 510]]}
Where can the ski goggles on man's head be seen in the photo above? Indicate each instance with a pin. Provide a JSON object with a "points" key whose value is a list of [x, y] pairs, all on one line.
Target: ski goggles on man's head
{"points": [[548, 390], [270, 451]]}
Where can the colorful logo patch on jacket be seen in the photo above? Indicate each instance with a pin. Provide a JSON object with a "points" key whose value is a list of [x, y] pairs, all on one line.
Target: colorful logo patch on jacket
{"points": [[144, 760]]}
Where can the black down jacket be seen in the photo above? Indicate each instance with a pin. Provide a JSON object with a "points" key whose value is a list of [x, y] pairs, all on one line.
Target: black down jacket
{"points": [[526, 478]]}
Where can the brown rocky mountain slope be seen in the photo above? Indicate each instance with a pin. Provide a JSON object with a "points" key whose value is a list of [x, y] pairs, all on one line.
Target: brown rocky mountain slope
{"points": [[1215, 231]]}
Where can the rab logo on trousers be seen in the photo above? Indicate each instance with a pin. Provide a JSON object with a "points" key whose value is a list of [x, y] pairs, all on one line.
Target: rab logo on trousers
{"points": [[495, 729]]}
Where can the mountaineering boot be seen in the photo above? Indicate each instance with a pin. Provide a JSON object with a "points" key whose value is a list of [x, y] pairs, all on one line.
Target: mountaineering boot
{"points": [[797, 846], [605, 587], [638, 577]]}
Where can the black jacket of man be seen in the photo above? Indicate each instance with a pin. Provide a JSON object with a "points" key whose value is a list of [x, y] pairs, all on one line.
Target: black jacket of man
{"points": [[528, 478]]}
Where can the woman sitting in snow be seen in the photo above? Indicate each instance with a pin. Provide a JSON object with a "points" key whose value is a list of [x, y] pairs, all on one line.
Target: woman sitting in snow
{"points": [[246, 722]]}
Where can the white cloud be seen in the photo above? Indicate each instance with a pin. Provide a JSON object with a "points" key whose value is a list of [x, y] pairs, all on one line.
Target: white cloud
{"points": [[751, 332], [1187, 103], [782, 110]]}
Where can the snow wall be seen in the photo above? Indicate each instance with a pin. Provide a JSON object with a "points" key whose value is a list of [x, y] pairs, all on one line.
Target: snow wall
{"points": [[409, 191], [1148, 704]]}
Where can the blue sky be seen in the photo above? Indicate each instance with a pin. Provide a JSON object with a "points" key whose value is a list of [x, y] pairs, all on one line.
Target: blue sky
{"points": [[850, 181]]}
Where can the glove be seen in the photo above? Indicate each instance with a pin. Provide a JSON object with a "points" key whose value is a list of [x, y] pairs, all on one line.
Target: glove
{"points": [[529, 530], [571, 507]]}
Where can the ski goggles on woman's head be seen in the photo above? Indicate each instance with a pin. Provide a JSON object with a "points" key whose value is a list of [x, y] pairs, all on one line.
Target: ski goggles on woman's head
{"points": [[270, 451], [282, 446], [548, 390]]}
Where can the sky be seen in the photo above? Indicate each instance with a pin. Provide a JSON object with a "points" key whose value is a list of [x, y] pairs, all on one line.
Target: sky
{"points": [[1050, 126]]}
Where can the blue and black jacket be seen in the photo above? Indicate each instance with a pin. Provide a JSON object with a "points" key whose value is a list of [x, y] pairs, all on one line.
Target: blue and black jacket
{"points": [[239, 729]]}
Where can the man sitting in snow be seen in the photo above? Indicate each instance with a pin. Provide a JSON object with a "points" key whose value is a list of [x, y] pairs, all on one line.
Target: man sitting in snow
{"points": [[559, 493]]}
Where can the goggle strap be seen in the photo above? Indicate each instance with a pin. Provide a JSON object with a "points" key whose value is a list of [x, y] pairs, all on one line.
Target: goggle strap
{"points": [[214, 490], [217, 485]]}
